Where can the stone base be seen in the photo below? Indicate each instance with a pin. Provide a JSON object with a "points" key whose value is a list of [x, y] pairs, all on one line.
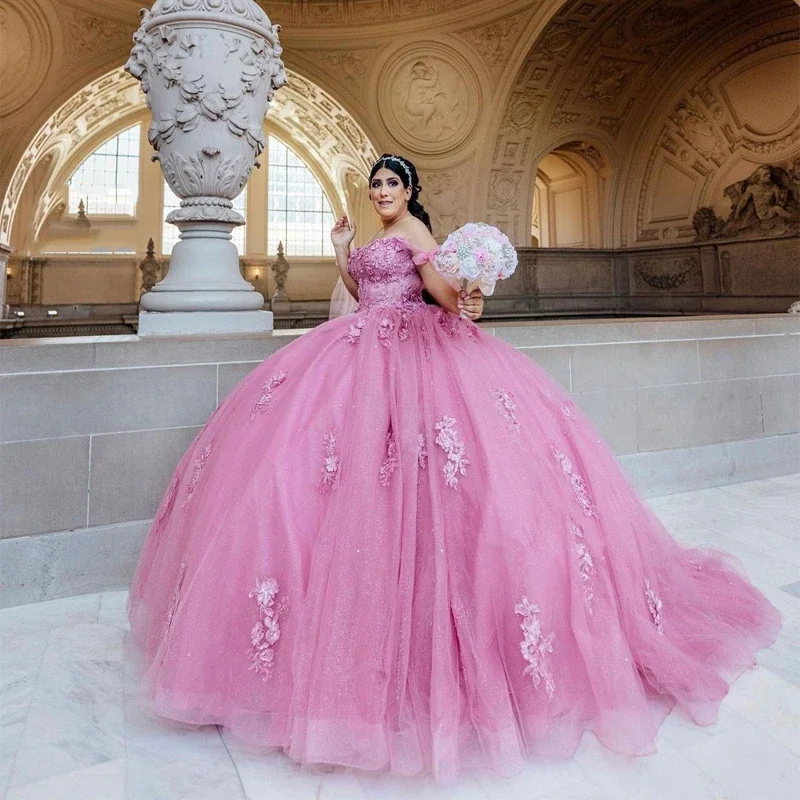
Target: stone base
{"points": [[190, 323]]}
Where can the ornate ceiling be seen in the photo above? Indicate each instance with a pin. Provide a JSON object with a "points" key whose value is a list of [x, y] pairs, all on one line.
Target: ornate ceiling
{"points": [[476, 91]]}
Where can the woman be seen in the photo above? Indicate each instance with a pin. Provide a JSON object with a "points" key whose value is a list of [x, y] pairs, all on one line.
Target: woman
{"points": [[397, 544]]}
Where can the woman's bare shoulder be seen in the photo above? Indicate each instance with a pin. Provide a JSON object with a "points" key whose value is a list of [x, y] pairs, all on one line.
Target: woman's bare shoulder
{"points": [[417, 234]]}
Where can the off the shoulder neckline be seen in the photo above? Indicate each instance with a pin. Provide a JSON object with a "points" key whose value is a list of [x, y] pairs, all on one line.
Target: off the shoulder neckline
{"points": [[385, 239]]}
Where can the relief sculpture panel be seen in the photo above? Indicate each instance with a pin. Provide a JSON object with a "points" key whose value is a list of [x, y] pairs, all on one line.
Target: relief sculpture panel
{"points": [[429, 98]]}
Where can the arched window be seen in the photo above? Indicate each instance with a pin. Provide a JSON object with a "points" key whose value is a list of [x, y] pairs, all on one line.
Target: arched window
{"points": [[299, 214], [169, 233], [108, 180]]}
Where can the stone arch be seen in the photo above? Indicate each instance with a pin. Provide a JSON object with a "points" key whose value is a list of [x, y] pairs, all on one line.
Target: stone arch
{"points": [[590, 73], [707, 134], [570, 196], [327, 135]]}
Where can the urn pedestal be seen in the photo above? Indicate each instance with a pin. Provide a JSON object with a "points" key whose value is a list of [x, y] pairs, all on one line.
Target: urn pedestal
{"points": [[209, 69]]}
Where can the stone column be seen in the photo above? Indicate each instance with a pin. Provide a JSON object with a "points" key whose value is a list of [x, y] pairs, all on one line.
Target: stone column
{"points": [[209, 69], [5, 255]]}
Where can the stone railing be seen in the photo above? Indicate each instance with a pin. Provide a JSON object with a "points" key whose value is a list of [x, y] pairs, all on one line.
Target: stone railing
{"points": [[735, 276]]}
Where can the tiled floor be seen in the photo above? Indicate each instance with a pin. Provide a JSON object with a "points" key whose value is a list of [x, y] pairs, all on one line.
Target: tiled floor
{"points": [[70, 730]]}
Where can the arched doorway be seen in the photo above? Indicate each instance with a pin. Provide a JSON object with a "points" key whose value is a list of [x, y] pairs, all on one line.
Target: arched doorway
{"points": [[569, 197]]}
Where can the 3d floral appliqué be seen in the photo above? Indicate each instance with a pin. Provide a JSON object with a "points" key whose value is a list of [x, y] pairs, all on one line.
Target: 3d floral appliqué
{"points": [[535, 646]]}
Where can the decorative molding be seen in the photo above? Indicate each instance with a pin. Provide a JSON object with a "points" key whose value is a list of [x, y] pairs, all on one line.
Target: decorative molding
{"points": [[647, 271], [495, 41], [349, 66], [708, 140], [504, 186], [445, 194], [88, 33], [24, 30], [433, 97], [608, 80]]}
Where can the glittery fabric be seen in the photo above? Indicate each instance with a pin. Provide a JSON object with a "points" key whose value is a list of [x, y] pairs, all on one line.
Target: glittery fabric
{"points": [[451, 569]]}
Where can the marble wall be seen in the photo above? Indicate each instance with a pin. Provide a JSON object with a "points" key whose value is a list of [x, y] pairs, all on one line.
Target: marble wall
{"points": [[91, 428]]}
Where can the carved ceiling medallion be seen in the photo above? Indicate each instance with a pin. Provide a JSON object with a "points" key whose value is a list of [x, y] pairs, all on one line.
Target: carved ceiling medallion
{"points": [[23, 30], [428, 98]]}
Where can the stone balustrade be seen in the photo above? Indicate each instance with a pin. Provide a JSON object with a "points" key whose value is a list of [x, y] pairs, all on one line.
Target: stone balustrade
{"points": [[91, 428], [737, 276]]}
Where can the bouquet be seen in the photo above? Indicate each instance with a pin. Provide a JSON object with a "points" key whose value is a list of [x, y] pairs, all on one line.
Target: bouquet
{"points": [[476, 254]]}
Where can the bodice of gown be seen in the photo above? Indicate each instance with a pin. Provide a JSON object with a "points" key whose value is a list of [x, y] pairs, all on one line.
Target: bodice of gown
{"points": [[386, 274]]}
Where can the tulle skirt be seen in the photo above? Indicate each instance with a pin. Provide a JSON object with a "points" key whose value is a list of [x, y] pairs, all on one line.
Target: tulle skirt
{"points": [[398, 545]]}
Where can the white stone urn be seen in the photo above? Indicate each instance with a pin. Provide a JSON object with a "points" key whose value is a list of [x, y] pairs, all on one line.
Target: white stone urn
{"points": [[209, 69]]}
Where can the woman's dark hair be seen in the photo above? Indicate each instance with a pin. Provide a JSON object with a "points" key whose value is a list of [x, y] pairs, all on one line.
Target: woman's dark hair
{"points": [[407, 173]]}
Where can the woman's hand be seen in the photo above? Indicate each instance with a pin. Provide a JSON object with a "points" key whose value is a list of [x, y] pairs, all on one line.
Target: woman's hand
{"points": [[471, 305], [343, 232]]}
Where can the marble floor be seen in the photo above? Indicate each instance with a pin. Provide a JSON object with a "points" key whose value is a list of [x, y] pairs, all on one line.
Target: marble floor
{"points": [[71, 730]]}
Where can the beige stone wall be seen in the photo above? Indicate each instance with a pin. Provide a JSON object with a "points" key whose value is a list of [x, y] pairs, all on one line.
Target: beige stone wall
{"points": [[85, 279], [632, 114]]}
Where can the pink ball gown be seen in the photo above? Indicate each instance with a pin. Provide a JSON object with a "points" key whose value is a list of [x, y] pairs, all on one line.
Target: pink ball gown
{"points": [[398, 545]]}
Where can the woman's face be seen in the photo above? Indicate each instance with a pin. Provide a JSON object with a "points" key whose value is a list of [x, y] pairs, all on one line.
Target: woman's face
{"points": [[388, 195]]}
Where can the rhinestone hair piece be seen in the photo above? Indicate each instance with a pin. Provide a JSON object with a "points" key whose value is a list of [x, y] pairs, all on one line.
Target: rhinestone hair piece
{"points": [[401, 162]]}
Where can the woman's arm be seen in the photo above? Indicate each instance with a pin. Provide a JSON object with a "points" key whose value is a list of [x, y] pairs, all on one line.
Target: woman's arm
{"points": [[421, 240], [442, 292], [342, 257], [342, 235]]}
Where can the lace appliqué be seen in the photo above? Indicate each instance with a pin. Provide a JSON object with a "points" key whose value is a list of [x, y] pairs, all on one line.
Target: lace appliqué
{"points": [[266, 631], [535, 645], [385, 331], [266, 395], [577, 482], [426, 341], [403, 331], [585, 563], [448, 322], [448, 439], [422, 452], [176, 597], [390, 462], [198, 471], [509, 407], [654, 604], [354, 332], [330, 464]]}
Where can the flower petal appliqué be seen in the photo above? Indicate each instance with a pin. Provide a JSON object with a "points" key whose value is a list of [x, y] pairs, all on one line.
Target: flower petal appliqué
{"points": [[422, 451], [585, 563], [390, 462], [448, 439], [198, 471], [385, 331], [506, 402], [266, 631], [535, 645], [448, 322], [577, 482], [654, 604], [330, 462], [354, 332], [266, 394]]}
